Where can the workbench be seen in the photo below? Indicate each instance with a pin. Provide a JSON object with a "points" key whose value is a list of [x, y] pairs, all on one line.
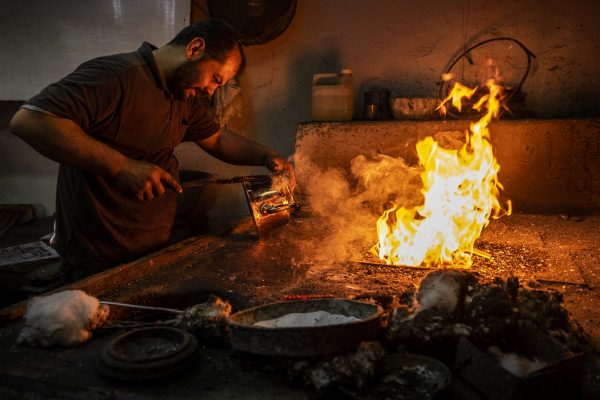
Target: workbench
{"points": [[247, 271]]}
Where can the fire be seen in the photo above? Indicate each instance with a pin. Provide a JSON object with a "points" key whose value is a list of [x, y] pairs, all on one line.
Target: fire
{"points": [[461, 192]]}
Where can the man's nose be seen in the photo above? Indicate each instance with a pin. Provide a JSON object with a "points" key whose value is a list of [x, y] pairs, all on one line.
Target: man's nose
{"points": [[211, 88]]}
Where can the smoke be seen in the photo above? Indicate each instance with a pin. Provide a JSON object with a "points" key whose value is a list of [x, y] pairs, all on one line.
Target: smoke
{"points": [[347, 202]]}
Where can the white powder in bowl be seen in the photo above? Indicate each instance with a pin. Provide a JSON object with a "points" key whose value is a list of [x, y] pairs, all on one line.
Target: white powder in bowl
{"points": [[315, 318]]}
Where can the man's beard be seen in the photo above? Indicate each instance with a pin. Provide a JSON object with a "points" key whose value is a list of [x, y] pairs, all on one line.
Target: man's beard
{"points": [[182, 79]]}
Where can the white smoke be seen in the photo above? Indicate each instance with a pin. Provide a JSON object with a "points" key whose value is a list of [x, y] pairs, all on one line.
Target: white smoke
{"points": [[349, 200]]}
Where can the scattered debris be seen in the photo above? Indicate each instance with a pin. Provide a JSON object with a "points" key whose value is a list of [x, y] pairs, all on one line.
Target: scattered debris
{"points": [[516, 364], [352, 370], [205, 320], [453, 324], [443, 290], [407, 377]]}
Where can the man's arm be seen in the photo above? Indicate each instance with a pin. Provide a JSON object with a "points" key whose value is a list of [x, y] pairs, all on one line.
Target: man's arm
{"points": [[235, 149], [62, 140]]}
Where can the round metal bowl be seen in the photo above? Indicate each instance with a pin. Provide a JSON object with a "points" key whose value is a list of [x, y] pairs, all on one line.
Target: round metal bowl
{"points": [[148, 354], [309, 340]]}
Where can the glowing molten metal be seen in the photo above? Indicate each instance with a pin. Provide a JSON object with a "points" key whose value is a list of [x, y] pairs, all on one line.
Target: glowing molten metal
{"points": [[461, 192]]}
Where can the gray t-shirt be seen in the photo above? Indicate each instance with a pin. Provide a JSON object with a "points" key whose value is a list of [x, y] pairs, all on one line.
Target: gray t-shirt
{"points": [[122, 101]]}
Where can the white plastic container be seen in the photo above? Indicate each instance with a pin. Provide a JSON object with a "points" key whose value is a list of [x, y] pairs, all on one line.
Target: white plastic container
{"points": [[332, 96]]}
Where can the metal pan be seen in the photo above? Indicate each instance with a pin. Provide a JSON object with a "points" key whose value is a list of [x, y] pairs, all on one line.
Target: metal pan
{"points": [[305, 341]]}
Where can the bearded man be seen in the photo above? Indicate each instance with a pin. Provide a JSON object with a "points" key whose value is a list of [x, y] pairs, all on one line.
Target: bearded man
{"points": [[113, 125]]}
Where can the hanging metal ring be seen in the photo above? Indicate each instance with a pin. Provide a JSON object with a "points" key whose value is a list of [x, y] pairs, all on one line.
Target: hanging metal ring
{"points": [[465, 53]]}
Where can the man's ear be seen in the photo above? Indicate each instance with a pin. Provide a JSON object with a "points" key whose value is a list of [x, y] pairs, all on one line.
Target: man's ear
{"points": [[195, 48]]}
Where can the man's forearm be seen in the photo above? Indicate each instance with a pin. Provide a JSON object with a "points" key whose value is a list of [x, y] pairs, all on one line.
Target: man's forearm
{"points": [[64, 141], [235, 149]]}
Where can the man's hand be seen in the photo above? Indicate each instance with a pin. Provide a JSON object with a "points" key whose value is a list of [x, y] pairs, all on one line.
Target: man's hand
{"points": [[62, 140], [144, 180], [278, 164]]}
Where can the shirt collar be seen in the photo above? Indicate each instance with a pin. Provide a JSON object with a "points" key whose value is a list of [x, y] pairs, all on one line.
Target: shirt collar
{"points": [[145, 52]]}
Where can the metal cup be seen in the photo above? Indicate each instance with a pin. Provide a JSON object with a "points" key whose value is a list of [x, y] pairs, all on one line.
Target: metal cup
{"points": [[377, 104]]}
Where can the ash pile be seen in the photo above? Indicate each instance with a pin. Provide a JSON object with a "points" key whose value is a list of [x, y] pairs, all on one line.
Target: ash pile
{"points": [[455, 337]]}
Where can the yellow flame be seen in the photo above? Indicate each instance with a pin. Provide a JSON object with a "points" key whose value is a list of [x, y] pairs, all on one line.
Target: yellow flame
{"points": [[461, 192], [459, 91]]}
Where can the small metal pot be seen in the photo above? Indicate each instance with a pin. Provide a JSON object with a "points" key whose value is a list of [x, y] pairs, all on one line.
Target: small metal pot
{"points": [[270, 201]]}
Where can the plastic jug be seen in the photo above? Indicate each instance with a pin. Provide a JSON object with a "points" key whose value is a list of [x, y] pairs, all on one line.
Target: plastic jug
{"points": [[332, 96]]}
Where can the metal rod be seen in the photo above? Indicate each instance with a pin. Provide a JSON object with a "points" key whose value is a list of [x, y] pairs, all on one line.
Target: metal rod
{"points": [[482, 253], [114, 303], [128, 324], [236, 179], [561, 282]]}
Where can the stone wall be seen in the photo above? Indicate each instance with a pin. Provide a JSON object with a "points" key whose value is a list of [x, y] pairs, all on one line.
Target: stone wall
{"points": [[546, 165]]}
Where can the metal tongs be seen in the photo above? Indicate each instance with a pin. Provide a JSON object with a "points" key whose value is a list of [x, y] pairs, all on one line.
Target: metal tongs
{"points": [[135, 324], [139, 307]]}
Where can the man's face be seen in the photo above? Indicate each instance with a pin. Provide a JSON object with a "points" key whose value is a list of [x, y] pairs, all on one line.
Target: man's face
{"points": [[202, 76]]}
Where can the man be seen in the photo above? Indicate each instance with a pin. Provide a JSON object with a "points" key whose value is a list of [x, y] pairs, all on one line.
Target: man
{"points": [[112, 125]]}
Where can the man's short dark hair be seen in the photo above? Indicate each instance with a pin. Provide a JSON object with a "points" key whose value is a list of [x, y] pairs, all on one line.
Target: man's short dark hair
{"points": [[220, 39]]}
